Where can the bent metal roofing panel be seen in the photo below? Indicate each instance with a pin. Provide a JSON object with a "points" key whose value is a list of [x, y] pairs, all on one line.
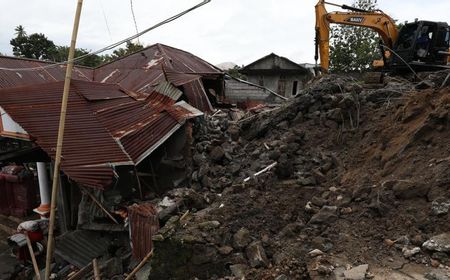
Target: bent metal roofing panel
{"points": [[105, 126]]}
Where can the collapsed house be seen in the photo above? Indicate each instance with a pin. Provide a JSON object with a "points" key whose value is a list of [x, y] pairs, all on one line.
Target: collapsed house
{"points": [[128, 139], [278, 74]]}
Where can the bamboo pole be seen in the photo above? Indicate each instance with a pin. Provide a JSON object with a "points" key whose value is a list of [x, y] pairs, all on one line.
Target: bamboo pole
{"points": [[62, 122], [81, 273], [140, 265], [96, 270], [33, 258], [101, 207]]}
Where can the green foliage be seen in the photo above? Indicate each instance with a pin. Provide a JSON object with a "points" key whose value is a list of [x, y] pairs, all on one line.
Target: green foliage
{"points": [[62, 53], [353, 48], [37, 46], [129, 49], [234, 72]]}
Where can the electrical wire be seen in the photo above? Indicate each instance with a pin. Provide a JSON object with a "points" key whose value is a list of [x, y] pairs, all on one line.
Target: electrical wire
{"points": [[106, 19], [134, 20], [406, 63], [114, 45]]}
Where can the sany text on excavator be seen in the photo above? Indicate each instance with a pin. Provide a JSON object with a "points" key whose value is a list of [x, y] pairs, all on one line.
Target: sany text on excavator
{"points": [[422, 45]]}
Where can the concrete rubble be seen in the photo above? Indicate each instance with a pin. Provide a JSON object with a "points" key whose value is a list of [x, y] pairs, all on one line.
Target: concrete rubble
{"points": [[343, 181], [347, 178]]}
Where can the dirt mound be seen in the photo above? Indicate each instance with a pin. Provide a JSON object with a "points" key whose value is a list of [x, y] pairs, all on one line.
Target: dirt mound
{"points": [[345, 176]]}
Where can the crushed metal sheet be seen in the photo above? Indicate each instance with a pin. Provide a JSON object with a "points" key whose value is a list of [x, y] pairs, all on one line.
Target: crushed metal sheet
{"points": [[144, 223], [139, 73], [102, 131], [10, 79], [168, 90], [79, 247]]}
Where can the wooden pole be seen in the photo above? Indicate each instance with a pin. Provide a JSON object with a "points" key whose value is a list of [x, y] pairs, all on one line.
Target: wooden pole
{"points": [[62, 122], [101, 207], [140, 265], [81, 273], [96, 270], [33, 258]]}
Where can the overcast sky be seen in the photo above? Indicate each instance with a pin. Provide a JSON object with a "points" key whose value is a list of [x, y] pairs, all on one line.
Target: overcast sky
{"points": [[240, 31]]}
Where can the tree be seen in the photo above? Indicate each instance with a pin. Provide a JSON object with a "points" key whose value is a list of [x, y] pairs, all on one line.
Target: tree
{"points": [[62, 53], [353, 48], [129, 49], [234, 72], [35, 46]]}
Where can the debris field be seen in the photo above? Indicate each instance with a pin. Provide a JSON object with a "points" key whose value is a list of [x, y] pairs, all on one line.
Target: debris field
{"points": [[354, 185]]}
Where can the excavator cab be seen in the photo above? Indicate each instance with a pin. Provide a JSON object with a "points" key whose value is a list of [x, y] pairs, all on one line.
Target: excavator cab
{"points": [[424, 45]]}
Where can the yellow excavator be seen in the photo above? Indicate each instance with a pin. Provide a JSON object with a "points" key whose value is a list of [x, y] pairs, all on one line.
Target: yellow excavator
{"points": [[419, 45]]}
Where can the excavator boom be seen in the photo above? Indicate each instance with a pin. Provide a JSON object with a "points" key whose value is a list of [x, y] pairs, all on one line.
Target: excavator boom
{"points": [[378, 21]]}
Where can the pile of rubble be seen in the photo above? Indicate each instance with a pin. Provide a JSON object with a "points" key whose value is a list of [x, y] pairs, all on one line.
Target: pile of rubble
{"points": [[342, 181]]}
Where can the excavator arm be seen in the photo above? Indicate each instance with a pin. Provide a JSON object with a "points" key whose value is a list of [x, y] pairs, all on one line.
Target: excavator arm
{"points": [[375, 20]]}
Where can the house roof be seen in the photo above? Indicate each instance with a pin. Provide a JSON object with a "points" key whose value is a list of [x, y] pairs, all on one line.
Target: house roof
{"points": [[273, 62], [39, 76], [140, 72], [106, 125]]}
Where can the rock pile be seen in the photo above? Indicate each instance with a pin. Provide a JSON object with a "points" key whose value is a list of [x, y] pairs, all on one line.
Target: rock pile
{"points": [[336, 179]]}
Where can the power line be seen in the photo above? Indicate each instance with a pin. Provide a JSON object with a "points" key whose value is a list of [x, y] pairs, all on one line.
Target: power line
{"points": [[134, 19], [114, 45], [106, 19]]}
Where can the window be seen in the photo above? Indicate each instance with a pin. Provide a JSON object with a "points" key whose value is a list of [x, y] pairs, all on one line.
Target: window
{"points": [[294, 88]]}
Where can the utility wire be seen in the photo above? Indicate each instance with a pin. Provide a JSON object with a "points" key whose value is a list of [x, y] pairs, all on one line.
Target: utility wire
{"points": [[106, 20], [114, 45], [134, 19]]}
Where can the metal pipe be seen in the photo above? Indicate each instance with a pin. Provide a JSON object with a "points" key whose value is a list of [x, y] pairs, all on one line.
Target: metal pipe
{"points": [[44, 190]]}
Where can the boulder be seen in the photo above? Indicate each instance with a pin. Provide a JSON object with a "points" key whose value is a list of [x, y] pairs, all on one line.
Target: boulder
{"points": [[439, 243]]}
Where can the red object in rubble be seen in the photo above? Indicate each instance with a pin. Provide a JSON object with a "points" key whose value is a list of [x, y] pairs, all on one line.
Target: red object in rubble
{"points": [[18, 195]]}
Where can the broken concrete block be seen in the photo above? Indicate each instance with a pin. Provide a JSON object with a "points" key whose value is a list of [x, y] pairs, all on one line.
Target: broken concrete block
{"points": [[439, 243], [209, 225], [256, 255], [326, 215], [239, 270], [241, 238], [356, 273], [217, 154]]}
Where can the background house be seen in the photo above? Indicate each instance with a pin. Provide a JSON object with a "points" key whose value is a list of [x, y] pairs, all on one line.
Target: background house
{"points": [[278, 74]]}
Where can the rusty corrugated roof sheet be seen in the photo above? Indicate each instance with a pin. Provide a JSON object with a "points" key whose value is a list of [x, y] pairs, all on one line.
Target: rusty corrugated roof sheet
{"points": [[146, 69], [105, 126], [140, 72], [144, 223], [23, 78]]}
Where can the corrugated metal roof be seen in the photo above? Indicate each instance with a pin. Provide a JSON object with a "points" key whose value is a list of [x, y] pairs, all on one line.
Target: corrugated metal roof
{"points": [[79, 247], [105, 126], [140, 72], [144, 223], [22, 78], [144, 70], [197, 97]]}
